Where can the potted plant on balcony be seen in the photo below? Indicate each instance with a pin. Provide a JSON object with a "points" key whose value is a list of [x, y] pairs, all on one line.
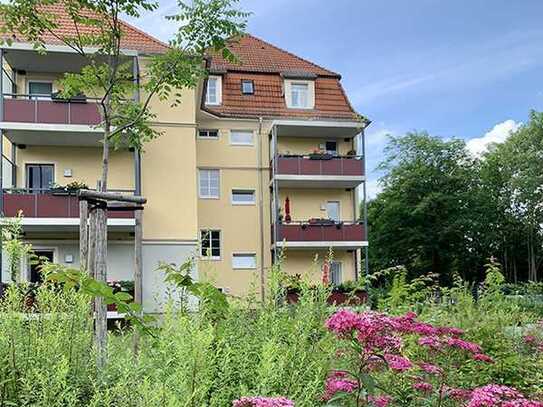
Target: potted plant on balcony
{"points": [[319, 154]]}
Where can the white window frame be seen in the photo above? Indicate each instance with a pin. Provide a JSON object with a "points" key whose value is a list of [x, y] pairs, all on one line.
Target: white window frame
{"points": [[338, 209], [208, 138], [330, 151], [211, 257], [200, 195], [236, 143], [218, 91], [239, 254], [244, 81], [340, 264], [253, 202], [310, 93]]}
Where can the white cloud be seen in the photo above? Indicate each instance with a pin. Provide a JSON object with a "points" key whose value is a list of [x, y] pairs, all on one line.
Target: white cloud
{"points": [[498, 134]]}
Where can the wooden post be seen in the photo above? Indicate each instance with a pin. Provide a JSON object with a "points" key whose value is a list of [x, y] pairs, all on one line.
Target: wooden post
{"points": [[83, 234], [138, 269], [101, 270]]}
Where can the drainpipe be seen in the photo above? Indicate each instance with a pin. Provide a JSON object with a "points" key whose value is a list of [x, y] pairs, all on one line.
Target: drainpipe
{"points": [[260, 208], [1, 164], [365, 203]]}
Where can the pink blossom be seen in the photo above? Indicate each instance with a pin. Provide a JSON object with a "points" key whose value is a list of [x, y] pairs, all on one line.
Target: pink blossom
{"points": [[397, 362], [498, 395], [431, 369], [481, 357], [465, 345], [263, 402], [343, 322], [423, 387], [380, 401]]}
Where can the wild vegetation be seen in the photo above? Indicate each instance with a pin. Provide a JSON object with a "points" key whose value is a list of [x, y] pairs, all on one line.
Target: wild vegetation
{"points": [[444, 210], [422, 345]]}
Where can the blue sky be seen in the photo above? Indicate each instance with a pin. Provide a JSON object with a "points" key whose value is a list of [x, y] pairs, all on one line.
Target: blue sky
{"points": [[459, 68]]}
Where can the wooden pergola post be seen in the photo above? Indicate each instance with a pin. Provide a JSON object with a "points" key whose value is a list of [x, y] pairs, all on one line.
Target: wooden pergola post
{"points": [[98, 203]]}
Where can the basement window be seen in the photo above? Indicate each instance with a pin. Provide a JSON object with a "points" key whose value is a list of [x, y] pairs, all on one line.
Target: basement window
{"points": [[244, 261]]}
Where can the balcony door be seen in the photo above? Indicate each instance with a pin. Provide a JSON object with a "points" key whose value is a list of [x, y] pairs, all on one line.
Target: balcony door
{"points": [[336, 277], [332, 210], [39, 177], [35, 267]]}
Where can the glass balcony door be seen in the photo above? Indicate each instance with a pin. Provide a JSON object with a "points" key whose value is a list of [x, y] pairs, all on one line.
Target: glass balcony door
{"points": [[39, 177]]}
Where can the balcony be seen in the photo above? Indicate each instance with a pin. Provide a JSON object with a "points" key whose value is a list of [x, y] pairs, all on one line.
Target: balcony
{"points": [[50, 121], [319, 171], [51, 209], [321, 234], [25, 110]]}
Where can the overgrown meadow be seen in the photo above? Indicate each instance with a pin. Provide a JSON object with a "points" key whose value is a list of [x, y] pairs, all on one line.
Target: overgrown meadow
{"points": [[403, 353]]}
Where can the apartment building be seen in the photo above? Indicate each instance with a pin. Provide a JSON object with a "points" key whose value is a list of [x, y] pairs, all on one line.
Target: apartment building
{"points": [[258, 164], [278, 167]]}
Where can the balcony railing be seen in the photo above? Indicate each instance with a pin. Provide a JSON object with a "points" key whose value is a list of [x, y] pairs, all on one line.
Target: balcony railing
{"points": [[320, 232], [320, 164], [47, 204], [28, 109]]}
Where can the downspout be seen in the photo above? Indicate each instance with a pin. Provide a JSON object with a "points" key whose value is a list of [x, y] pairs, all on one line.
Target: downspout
{"points": [[1, 165], [261, 209], [365, 203]]}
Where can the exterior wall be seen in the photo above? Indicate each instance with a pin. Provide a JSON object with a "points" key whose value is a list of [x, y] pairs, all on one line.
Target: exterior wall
{"points": [[85, 163], [244, 228], [308, 263], [311, 203], [306, 145]]}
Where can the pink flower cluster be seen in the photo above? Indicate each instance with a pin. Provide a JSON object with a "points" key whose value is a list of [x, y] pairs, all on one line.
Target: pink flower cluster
{"points": [[499, 396], [338, 382], [263, 402]]}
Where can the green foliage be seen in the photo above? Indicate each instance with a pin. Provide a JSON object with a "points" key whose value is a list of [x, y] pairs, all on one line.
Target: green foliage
{"points": [[15, 248], [444, 211]]}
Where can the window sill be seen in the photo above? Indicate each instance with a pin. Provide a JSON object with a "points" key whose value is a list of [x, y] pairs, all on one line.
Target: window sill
{"points": [[210, 197], [244, 203], [210, 258]]}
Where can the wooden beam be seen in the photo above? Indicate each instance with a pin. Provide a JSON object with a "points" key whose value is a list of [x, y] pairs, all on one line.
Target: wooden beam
{"points": [[110, 196], [83, 234], [138, 270]]}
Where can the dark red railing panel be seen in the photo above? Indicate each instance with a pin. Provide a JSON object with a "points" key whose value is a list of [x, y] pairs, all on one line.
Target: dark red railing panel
{"points": [[302, 165], [321, 233], [49, 206], [84, 113], [21, 111], [50, 112]]}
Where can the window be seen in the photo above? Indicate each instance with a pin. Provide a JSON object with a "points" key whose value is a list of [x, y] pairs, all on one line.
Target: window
{"points": [[335, 273], [331, 147], [40, 90], [213, 95], [210, 243], [299, 95], [208, 134], [247, 87], [209, 183], [243, 196], [43, 256], [332, 209], [241, 137], [39, 177], [243, 261]]}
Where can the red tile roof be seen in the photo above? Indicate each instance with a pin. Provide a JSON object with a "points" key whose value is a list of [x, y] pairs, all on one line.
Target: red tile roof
{"points": [[256, 55], [133, 38], [264, 64]]}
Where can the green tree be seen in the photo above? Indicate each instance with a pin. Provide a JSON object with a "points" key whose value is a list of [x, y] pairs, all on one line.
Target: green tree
{"points": [[421, 219], [512, 182], [108, 73]]}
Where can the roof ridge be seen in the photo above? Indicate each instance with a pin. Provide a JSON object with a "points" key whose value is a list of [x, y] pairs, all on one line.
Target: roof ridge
{"points": [[331, 73], [145, 34]]}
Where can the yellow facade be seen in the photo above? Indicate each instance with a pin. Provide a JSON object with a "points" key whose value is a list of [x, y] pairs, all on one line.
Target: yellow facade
{"points": [[175, 213]]}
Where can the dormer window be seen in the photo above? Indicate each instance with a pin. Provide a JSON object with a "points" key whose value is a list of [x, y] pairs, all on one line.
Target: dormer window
{"points": [[247, 87], [299, 94], [214, 90]]}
